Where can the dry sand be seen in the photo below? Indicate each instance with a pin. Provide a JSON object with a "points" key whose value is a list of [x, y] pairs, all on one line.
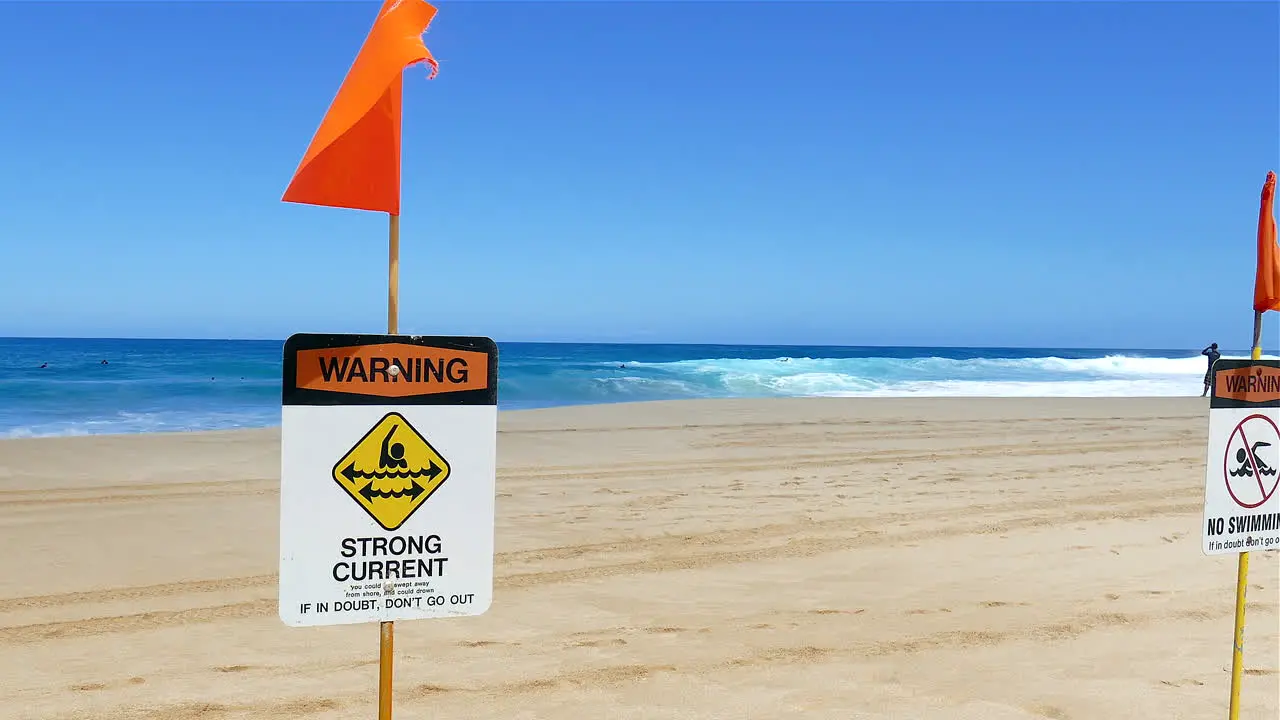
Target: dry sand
{"points": [[766, 559]]}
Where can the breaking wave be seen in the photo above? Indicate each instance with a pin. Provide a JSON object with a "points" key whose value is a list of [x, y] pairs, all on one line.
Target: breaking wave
{"points": [[934, 376], [85, 387]]}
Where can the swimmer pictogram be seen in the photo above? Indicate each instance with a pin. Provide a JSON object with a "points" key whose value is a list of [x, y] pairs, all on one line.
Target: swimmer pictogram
{"points": [[391, 471], [1251, 459], [1248, 459]]}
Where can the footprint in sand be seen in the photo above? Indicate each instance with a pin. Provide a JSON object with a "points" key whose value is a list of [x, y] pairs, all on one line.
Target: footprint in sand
{"points": [[430, 689], [92, 687], [859, 611], [609, 642], [87, 687]]}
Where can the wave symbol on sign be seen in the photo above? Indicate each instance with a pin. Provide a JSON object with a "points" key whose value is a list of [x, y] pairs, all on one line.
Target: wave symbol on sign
{"points": [[390, 457]]}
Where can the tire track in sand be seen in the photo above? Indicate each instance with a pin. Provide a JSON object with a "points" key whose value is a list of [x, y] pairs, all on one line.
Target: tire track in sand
{"points": [[658, 544], [620, 674], [786, 548]]}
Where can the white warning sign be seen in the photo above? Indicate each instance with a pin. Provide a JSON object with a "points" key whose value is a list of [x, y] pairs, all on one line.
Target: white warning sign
{"points": [[1241, 503], [388, 460]]}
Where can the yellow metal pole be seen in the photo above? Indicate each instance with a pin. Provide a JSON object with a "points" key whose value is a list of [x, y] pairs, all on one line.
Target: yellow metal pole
{"points": [[1242, 576], [386, 640], [1237, 649]]}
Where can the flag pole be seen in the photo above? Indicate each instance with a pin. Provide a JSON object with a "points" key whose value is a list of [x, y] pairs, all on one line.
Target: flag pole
{"points": [[1242, 574], [1257, 335], [1237, 649], [386, 640], [393, 276], [334, 172], [385, 645]]}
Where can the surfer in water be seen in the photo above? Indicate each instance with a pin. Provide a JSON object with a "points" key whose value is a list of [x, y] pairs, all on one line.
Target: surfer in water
{"points": [[1212, 353]]}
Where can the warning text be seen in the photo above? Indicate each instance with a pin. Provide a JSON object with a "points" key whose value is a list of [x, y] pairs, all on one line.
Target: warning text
{"points": [[392, 370], [394, 558]]}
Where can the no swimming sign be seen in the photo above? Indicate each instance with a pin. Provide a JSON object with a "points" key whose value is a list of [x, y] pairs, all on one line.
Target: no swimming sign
{"points": [[388, 463], [1242, 475]]}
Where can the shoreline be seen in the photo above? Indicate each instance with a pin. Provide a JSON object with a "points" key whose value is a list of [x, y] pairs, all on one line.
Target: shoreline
{"points": [[646, 406]]}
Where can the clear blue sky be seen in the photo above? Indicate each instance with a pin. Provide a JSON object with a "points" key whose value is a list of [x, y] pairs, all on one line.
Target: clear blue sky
{"points": [[1033, 174]]}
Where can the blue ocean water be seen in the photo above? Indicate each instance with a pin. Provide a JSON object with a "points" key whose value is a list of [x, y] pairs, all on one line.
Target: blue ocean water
{"points": [[62, 387]]}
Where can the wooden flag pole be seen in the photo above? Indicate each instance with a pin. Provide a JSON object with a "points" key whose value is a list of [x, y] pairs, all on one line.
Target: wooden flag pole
{"points": [[386, 640], [385, 645], [393, 277]]}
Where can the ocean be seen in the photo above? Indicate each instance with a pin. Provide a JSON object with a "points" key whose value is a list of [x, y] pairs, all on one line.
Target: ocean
{"points": [[61, 386]]}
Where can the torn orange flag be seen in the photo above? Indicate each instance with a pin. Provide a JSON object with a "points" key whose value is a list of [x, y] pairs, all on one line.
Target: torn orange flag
{"points": [[1266, 284], [354, 158]]}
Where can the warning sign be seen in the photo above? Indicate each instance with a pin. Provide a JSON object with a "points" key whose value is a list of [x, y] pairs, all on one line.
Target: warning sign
{"points": [[388, 463], [390, 476], [1241, 506]]}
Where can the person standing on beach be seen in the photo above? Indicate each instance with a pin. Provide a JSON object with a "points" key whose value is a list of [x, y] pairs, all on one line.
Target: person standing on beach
{"points": [[1213, 355]]}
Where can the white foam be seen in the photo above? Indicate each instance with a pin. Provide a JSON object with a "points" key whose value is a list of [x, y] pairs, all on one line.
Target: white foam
{"points": [[1107, 365], [1082, 388], [1106, 376], [140, 422]]}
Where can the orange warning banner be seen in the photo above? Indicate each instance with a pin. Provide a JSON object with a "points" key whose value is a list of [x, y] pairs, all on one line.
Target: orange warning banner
{"points": [[393, 370], [1251, 384]]}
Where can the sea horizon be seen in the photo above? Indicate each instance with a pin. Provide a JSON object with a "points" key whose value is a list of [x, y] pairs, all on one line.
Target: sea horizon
{"points": [[62, 386], [1028, 348]]}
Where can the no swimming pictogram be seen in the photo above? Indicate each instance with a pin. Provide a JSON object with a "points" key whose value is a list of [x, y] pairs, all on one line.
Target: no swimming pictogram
{"points": [[1251, 461]]}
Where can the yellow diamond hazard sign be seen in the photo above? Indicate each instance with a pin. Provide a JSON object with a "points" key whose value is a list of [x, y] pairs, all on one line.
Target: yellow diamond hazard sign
{"points": [[391, 471]]}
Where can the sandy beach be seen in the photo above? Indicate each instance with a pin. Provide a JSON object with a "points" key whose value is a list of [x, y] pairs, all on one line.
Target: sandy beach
{"points": [[815, 558]]}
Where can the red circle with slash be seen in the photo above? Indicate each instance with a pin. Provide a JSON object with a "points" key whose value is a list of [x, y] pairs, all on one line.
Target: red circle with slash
{"points": [[1251, 480]]}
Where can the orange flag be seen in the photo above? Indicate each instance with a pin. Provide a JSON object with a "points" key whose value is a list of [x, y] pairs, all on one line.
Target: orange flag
{"points": [[354, 158], [1266, 284]]}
